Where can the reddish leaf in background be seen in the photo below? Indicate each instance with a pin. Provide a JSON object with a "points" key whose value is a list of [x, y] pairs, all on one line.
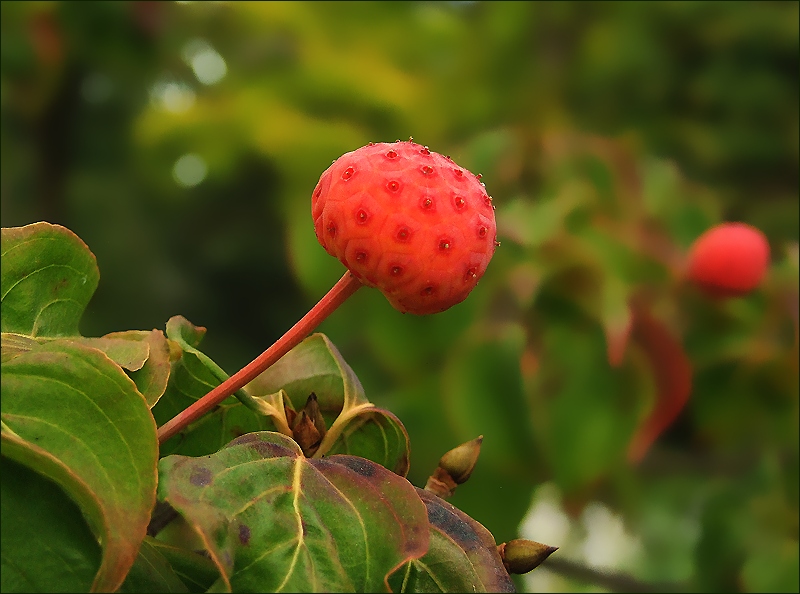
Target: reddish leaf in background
{"points": [[617, 341], [617, 319], [149, 17], [47, 39], [673, 379]]}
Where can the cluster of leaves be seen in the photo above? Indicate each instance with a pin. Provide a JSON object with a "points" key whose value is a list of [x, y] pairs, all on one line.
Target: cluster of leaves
{"points": [[280, 491], [618, 352], [610, 136]]}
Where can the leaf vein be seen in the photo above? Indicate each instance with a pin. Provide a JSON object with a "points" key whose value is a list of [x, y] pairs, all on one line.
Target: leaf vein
{"points": [[111, 483], [360, 523], [296, 478], [131, 457], [38, 270], [48, 304]]}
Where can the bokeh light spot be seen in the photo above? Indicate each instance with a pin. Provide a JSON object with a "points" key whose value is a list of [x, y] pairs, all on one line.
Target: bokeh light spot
{"points": [[189, 170], [206, 63], [176, 97]]}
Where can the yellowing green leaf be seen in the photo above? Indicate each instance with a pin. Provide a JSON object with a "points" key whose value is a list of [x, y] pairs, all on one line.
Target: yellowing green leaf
{"points": [[47, 278], [72, 415], [273, 520]]}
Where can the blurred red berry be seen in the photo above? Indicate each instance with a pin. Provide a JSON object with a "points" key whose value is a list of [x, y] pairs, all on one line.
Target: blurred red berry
{"points": [[408, 221], [729, 259]]}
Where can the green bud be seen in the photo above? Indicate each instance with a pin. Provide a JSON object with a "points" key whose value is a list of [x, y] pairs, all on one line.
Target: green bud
{"points": [[460, 461], [521, 556]]}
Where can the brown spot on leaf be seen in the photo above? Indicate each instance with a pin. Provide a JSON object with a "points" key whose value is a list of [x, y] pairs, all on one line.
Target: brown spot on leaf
{"points": [[449, 523], [358, 465], [59, 286], [244, 534], [201, 477], [271, 450], [264, 448]]}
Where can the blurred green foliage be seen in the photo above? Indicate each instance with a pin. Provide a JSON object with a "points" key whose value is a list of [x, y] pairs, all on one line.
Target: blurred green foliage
{"points": [[610, 136]]}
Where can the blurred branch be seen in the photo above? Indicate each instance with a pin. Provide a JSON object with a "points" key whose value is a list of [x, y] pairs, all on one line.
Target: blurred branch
{"points": [[660, 462], [613, 581]]}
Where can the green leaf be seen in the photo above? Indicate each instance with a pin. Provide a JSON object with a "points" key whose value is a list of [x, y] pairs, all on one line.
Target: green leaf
{"points": [[314, 365], [185, 333], [616, 318], [585, 409], [210, 433], [12, 345], [685, 211], [47, 279], [483, 394], [151, 379], [355, 426], [191, 377], [143, 355], [71, 414], [273, 520], [533, 224], [196, 571], [47, 546], [274, 406], [378, 435], [462, 556], [151, 572], [127, 354], [773, 567], [187, 336]]}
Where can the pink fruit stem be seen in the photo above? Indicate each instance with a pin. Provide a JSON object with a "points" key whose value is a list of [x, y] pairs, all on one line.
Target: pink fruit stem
{"points": [[339, 293]]}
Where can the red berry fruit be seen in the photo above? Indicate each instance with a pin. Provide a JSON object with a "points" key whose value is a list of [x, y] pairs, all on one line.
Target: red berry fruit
{"points": [[408, 221], [729, 259]]}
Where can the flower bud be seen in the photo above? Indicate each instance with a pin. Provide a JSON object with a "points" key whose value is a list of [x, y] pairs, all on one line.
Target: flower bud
{"points": [[308, 427], [455, 467], [521, 556], [460, 461]]}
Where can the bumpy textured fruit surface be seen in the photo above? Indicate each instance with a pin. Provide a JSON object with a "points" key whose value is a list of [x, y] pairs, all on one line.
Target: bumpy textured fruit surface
{"points": [[408, 221], [729, 259]]}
